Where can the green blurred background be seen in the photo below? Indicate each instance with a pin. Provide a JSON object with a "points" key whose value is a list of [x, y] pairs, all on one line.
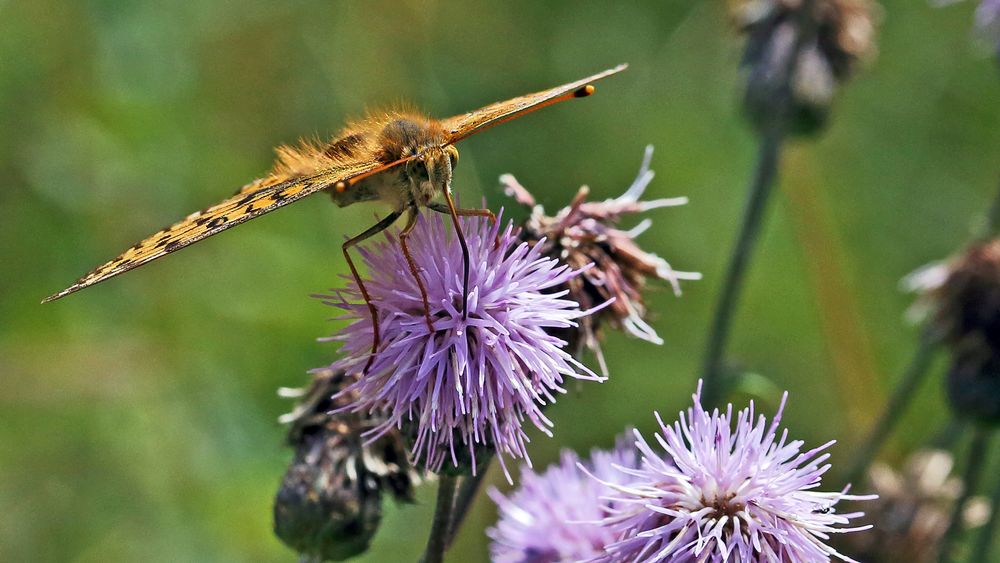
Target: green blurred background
{"points": [[138, 418]]}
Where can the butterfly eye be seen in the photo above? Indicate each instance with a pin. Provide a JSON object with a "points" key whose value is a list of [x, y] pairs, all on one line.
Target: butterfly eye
{"points": [[453, 157]]}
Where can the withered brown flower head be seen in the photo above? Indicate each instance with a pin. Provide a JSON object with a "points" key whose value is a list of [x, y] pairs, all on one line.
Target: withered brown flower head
{"points": [[962, 300], [585, 234], [912, 511], [798, 51], [330, 501], [966, 300]]}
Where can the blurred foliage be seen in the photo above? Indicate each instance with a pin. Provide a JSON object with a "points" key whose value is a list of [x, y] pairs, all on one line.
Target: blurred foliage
{"points": [[138, 418]]}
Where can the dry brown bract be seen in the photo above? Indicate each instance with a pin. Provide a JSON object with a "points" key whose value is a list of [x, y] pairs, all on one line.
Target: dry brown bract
{"points": [[585, 234]]}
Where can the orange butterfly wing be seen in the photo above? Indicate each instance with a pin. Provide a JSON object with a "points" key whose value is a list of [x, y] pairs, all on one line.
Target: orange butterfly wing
{"points": [[262, 197], [461, 126], [237, 209]]}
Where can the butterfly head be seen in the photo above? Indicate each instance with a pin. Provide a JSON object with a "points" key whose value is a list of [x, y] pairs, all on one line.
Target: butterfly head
{"points": [[430, 172]]}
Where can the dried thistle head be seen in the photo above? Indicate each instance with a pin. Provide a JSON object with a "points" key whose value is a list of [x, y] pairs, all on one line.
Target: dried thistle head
{"points": [[962, 300], [912, 511], [330, 502], [967, 298], [798, 52], [585, 234]]}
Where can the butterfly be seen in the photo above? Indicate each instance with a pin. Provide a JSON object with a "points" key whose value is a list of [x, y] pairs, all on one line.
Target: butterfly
{"points": [[400, 157]]}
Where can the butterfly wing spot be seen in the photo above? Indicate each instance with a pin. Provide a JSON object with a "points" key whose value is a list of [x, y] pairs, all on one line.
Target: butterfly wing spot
{"points": [[197, 226], [461, 126], [341, 187]]}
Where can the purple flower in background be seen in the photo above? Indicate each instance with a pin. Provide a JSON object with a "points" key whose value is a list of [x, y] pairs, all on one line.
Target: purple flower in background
{"points": [[725, 493], [556, 515], [471, 383], [988, 22]]}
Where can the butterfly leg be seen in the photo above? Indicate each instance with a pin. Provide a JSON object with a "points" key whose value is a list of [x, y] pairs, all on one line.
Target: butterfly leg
{"points": [[370, 232], [404, 235], [451, 210]]}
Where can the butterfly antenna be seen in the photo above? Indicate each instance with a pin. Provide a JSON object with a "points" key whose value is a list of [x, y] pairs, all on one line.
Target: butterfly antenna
{"points": [[465, 250]]}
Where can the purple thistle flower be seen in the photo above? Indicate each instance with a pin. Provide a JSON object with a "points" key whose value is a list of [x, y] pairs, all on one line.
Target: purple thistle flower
{"points": [[988, 22], [471, 381], [556, 515], [724, 493]]}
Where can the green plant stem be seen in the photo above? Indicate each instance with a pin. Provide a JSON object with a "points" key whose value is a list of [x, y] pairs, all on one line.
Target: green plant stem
{"points": [[992, 223], [914, 375], [436, 543], [981, 551], [467, 491], [950, 434], [970, 480], [753, 211]]}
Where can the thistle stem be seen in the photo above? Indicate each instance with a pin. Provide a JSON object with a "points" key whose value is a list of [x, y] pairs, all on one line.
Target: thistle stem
{"points": [[992, 223], [981, 551], [753, 211], [970, 480], [914, 375], [467, 492], [950, 434], [437, 542]]}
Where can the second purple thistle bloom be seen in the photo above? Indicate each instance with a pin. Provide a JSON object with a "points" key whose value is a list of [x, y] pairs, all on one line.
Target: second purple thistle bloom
{"points": [[467, 386]]}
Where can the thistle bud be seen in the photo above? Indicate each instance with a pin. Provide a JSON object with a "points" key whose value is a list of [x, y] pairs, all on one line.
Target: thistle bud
{"points": [[330, 502], [797, 53]]}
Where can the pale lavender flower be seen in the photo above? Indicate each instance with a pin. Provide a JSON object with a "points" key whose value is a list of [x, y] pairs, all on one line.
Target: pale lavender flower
{"points": [[471, 383], [725, 492], [556, 516], [988, 22]]}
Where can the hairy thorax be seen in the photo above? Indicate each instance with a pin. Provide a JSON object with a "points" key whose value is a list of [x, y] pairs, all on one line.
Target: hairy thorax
{"points": [[380, 138]]}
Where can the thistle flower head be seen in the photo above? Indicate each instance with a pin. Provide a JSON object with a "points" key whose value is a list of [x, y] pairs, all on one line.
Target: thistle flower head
{"points": [[472, 381], [725, 488], [586, 232], [330, 502], [799, 51], [556, 515]]}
